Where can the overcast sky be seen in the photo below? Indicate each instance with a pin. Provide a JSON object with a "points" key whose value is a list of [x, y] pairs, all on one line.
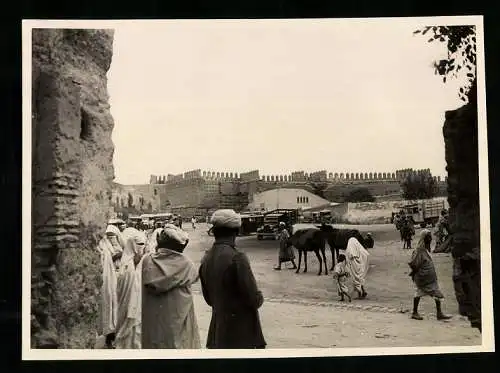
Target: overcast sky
{"points": [[277, 96]]}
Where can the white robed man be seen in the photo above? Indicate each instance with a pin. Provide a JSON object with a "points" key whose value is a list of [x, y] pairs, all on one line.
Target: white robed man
{"points": [[357, 265], [152, 241], [108, 305], [168, 314], [131, 232], [128, 326], [115, 238]]}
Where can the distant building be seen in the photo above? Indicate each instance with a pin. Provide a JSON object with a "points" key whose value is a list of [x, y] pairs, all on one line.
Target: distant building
{"points": [[285, 198]]}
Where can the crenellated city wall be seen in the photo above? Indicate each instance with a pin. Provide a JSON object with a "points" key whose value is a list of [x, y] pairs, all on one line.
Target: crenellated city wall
{"points": [[296, 176], [210, 189]]}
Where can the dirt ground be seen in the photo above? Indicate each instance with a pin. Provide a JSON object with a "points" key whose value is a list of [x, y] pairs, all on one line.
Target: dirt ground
{"points": [[303, 310]]}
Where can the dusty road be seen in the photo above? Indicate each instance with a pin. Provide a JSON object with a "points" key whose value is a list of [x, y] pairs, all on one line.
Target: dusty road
{"points": [[287, 325], [303, 310]]}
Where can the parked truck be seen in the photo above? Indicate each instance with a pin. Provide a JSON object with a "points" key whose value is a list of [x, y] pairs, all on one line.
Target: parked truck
{"points": [[424, 212], [269, 228]]}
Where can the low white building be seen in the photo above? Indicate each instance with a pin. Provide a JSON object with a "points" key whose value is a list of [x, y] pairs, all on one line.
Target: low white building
{"points": [[285, 198]]}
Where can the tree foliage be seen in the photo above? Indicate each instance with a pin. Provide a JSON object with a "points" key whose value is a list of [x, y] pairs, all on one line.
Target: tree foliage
{"points": [[319, 187], [461, 60], [419, 186], [360, 194]]}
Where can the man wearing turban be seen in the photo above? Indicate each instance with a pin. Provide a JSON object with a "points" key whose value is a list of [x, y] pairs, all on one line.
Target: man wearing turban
{"points": [[423, 274], [168, 314], [229, 287]]}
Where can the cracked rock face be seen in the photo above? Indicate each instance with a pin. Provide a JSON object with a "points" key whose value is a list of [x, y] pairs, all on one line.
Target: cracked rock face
{"points": [[460, 133], [72, 174]]}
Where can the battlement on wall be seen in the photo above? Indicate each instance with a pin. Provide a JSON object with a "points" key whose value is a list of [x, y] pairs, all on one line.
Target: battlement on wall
{"points": [[296, 176], [330, 177], [195, 175]]}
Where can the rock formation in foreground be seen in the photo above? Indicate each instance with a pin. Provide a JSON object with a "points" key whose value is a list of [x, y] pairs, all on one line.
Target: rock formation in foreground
{"points": [[461, 149], [72, 174]]}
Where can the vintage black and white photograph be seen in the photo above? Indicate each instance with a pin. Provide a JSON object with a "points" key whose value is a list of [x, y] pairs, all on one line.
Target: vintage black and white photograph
{"points": [[285, 187]]}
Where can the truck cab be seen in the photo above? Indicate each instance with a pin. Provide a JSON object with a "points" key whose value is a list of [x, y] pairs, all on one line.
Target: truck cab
{"points": [[269, 228]]}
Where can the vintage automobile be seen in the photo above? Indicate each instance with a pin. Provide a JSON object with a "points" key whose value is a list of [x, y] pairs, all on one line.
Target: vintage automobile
{"points": [[249, 224], [269, 228]]}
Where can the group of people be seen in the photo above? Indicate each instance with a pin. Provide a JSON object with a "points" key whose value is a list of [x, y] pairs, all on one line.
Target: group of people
{"points": [[351, 263], [406, 227], [146, 298]]}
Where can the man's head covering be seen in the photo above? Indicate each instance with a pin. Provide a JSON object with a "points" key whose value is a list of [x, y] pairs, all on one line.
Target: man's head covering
{"points": [[423, 234], [369, 234], [169, 234], [134, 246], [226, 218], [282, 224], [113, 229], [137, 235]]}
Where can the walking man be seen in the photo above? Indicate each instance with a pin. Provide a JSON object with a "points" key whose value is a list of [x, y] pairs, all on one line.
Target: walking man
{"points": [[229, 287], [423, 274], [286, 253]]}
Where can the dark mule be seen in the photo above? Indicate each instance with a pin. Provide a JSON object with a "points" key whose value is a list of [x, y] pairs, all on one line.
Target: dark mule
{"points": [[309, 239], [337, 240]]}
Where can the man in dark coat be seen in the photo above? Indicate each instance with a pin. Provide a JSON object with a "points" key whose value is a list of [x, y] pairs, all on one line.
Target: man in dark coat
{"points": [[229, 287]]}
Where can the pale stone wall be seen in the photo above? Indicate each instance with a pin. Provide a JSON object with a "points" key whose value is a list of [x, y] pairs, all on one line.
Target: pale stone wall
{"points": [[72, 175]]}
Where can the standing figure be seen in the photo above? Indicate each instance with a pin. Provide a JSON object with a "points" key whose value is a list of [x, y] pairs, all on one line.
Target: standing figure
{"points": [[441, 230], [357, 265], [398, 222], [115, 238], [152, 241], [286, 253], [423, 274], [128, 325], [229, 287], [193, 222], [340, 273], [108, 306], [168, 314], [408, 231]]}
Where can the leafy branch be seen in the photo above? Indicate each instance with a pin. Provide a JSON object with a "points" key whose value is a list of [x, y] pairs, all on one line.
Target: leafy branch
{"points": [[461, 60]]}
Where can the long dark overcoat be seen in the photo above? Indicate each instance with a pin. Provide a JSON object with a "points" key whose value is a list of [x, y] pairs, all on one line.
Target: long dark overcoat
{"points": [[229, 287]]}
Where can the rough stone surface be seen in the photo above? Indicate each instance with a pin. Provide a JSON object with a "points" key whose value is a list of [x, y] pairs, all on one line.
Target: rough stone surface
{"points": [[460, 132], [72, 175]]}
